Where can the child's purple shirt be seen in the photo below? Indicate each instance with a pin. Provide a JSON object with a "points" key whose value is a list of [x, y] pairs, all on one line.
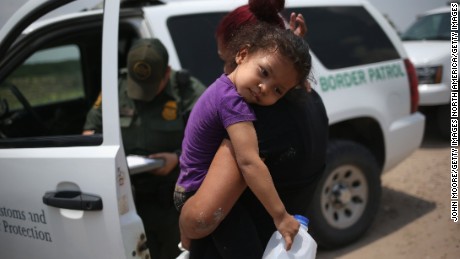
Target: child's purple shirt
{"points": [[218, 107]]}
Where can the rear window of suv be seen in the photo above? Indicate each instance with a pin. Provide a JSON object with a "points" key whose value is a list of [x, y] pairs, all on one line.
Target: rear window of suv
{"points": [[339, 36], [345, 36], [195, 43]]}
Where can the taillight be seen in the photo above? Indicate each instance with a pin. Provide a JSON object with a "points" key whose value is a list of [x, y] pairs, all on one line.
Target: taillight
{"points": [[413, 84]]}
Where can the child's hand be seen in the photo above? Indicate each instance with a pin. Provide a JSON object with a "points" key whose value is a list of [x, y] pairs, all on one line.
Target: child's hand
{"points": [[288, 226]]}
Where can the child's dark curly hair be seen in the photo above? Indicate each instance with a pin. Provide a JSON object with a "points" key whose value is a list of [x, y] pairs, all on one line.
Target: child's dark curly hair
{"points": [[267, 37]]}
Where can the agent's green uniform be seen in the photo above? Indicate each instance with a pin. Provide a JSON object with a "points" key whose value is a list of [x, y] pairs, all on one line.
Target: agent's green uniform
{"points": [[153, 127]]}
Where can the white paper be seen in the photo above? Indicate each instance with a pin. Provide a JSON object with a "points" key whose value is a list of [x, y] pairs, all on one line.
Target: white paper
{"points": [[140, 164]]}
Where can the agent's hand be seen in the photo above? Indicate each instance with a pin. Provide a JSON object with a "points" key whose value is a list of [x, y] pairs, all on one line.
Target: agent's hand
{"points": [[297, 24], [88, 132], [288, 226], [171, 161]]}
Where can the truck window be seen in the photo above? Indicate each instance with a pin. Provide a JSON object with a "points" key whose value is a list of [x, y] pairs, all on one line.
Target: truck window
{"points": [[361, 39], [50, 86], [48, 76], [193, 37], [430, 27], [345, 36]]}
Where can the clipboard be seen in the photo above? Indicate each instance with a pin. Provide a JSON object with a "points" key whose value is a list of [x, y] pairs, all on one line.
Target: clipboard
{"points": [[140, 164]]}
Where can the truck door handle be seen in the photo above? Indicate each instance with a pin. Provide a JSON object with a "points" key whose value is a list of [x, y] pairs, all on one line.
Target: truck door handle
{"points": [[72, 200]]}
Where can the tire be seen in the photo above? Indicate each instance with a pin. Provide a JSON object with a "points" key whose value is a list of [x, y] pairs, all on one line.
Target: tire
{"points": [[443, 121], [347, 197]]}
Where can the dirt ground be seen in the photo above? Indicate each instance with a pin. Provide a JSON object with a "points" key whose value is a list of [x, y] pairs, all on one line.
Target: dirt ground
{"points": [[414, 217]]}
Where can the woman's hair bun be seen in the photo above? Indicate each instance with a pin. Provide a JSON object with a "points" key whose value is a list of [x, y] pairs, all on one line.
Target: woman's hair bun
{"points": [[266, 10]]}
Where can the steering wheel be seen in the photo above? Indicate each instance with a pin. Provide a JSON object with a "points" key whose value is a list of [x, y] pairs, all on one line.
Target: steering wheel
{"points": [[27, 107]]}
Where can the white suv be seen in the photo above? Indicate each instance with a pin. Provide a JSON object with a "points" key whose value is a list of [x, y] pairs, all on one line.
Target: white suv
{"points": [[427, 43], [64, 195]]}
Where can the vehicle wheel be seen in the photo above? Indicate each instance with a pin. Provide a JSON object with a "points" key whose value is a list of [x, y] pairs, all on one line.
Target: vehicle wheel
{"points": [[347, 196], [443, 121]]}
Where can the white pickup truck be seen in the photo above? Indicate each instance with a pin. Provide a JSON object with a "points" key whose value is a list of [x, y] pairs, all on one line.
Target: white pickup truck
{"points": [[64, 195], [427, 42]]}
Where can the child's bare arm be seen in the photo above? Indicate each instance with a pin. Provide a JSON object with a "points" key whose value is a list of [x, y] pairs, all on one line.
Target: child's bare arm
{"points": [[244, 140]]}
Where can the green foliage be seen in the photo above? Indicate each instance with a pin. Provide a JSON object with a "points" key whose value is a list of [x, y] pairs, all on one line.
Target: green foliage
{"points": [[43, 83]]}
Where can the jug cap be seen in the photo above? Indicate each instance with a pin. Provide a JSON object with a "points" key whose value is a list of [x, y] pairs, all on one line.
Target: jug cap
{"points": [[302, 219]]}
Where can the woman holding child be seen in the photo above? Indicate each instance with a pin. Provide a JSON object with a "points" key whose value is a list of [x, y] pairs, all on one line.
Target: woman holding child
{"points": [[221, 216]]}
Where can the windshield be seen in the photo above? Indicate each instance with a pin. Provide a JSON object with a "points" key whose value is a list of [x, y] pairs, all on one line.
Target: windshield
{"points": [[430, 27], [9, 7]]}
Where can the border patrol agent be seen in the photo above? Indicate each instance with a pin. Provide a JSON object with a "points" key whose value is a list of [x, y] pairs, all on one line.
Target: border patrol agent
{"points": [[154, 105]]}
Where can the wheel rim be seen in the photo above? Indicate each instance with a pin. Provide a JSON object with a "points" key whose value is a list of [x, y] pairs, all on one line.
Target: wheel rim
{"points": [[344, 196]]}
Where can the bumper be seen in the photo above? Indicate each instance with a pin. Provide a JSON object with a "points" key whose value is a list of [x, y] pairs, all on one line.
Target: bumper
{"points": [[434, 94], [404, 137]]}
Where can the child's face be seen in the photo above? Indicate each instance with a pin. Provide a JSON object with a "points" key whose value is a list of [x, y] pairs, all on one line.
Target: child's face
{"points": [[263, 77]]}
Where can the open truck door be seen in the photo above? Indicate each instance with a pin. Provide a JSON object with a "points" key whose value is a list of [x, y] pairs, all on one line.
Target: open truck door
{"points": [[62, 194]]}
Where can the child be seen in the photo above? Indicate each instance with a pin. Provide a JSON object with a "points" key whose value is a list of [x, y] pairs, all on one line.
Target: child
{"points": [[270, 62]]}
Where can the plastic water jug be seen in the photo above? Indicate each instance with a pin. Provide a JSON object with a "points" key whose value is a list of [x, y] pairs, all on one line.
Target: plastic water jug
{"points": [[303, 247]]}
